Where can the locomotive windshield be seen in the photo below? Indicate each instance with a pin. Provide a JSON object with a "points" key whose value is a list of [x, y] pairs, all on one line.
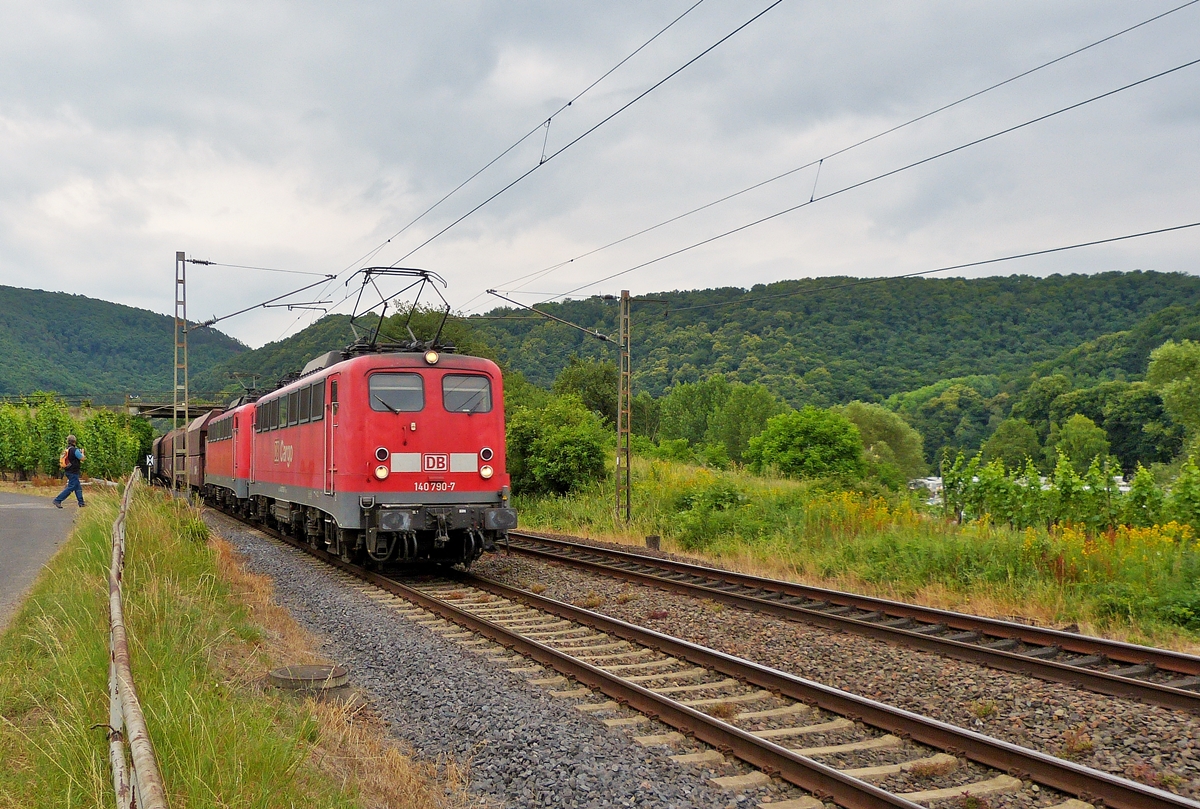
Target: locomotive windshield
{"points": [[467, 394], [398, 393]]}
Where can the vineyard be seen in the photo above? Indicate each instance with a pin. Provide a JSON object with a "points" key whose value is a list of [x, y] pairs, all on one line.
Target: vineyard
{"points": [[34, 432]]}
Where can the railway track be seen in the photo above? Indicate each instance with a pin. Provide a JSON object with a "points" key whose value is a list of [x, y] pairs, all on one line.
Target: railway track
{"points": [[1155, 676], [859, 753]]}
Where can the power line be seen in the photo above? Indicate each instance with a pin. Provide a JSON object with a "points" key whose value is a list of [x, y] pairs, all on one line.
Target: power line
{"points": [[878, 177], [530, 133], [819, 161], [362, 260], [1013, 257], [547, 158]]}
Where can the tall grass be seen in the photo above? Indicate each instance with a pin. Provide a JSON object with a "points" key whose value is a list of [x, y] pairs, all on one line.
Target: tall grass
{"points": [[1128, 582], [199, 651]]}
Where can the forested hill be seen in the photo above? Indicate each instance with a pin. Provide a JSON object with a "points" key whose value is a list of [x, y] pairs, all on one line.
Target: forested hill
{"points": [[830, 340], [822, 341], [1126, 354], [81, 346], [274, 360]]}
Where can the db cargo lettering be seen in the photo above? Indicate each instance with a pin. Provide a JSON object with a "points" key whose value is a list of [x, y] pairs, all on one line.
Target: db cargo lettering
{"points": [[283, 453]]}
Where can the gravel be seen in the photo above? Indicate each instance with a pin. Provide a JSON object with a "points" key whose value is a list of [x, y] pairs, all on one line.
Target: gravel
{"points": [[523, 747], [1154, 745]]}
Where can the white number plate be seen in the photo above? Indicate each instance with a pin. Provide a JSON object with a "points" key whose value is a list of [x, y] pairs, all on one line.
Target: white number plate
{"points": [[434, 486]]}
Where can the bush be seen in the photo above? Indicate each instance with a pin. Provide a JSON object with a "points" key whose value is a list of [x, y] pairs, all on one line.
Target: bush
{"points": [[708, 511], [808, 443], [557, 448]]}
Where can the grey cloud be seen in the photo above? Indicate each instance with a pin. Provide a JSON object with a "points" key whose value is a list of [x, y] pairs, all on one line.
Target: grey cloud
{"points": [[303, 134]]}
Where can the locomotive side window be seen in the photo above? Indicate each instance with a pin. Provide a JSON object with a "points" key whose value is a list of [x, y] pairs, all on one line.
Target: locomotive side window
{"points": [[305, 403], [293, 407], [318, 400], [282, 405], [398, 393], [467, 394]]}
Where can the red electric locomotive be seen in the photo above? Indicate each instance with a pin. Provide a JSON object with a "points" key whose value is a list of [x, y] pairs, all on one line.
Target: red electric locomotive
{"points": [[381, 455]]}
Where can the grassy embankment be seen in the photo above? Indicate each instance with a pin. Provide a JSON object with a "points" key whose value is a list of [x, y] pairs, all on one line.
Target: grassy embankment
{"points": [[1134, 584], [203, 633]]}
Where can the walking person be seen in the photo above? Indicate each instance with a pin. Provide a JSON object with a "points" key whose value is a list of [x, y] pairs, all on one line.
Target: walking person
{"points": [[72, 457]]}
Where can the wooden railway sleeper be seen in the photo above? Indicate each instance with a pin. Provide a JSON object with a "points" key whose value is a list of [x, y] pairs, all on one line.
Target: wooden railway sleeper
{"points": [[931, 629], [1139, 670]]}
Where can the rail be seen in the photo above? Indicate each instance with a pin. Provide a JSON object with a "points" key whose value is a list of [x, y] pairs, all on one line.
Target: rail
{"points": [[853, 793], [137, 783], [1104, 666]]}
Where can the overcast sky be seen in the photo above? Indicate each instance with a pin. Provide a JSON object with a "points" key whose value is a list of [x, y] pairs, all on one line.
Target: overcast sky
{"points": [[303, 135]]}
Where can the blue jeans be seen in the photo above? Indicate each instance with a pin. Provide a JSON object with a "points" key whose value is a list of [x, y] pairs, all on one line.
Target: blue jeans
{"points": [[72, 486]]}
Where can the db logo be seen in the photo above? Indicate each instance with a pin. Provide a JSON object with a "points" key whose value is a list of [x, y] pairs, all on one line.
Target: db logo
{"points": [[436, 462]]}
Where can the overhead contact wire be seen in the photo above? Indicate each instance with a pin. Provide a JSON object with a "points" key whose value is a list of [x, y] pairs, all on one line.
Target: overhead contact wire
{"points": [[818, 162], [366, 257], [530, 133], [878, 177], [593, 128]]}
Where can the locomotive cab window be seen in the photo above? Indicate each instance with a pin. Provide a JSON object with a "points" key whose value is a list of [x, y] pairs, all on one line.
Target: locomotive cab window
{"points": [[397, 393], [467, 394]]}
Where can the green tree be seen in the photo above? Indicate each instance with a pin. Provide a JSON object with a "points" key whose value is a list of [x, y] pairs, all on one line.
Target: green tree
{"points": [[1080, 440], [1034, 403], [956, 420], [1139, 429], [742, 416], [808, 443], [594, 382], [557, 448], [646, 416], [520, 392], [888, 440], [1175, 373], [1012, 444], [687, 408]]}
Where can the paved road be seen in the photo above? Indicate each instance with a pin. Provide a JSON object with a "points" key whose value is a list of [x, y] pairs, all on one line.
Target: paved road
{"points": [[31, 530]]}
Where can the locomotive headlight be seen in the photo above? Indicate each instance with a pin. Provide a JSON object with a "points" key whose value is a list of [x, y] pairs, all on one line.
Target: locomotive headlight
{"points": [[381, 472], [486, 471], [431, 357]]}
